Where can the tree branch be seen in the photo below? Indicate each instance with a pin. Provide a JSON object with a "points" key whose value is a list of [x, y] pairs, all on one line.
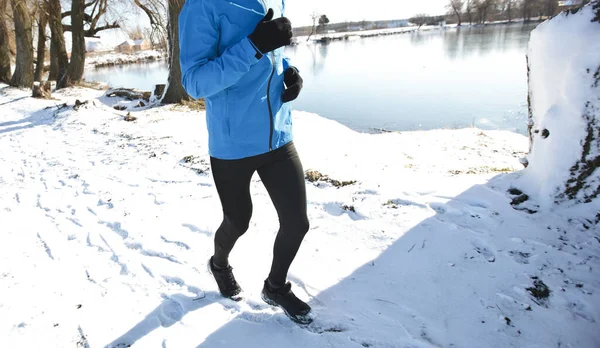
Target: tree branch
{"points": [[93, 31], [101, 6], [148, 12], [86, 16]]}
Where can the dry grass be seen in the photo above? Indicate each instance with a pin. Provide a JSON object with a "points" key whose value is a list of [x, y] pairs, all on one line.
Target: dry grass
{"points": [[196, 105]]}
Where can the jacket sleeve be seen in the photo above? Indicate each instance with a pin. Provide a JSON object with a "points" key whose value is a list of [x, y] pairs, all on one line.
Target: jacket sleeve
{"points": [[287, 63], [204, 71]]}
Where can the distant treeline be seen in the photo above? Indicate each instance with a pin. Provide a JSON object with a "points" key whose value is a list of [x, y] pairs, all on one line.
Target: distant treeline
{"points": [[459, 12], [353, 26]]}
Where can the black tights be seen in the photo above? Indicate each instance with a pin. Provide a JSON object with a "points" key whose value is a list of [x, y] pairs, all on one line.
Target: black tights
{"points": [[282, 174]]}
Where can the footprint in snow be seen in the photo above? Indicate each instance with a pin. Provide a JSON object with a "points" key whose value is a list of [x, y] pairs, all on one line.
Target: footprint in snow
{"points": [[108, 204], [445, 209], [483, 250], [339, 209], [196, 229], [171, 311], [521, 257], [116, 227], [395, 203], [178, 243]]}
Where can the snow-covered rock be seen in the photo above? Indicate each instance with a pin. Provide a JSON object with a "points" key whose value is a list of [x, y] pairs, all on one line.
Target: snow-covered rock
{"points": [[564, 91]]}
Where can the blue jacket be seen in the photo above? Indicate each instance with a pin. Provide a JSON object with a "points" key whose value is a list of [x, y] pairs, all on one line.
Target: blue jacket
{"points": [[244, 111]]}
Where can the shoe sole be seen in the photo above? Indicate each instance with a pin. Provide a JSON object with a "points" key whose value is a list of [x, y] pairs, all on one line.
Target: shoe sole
{"points": [[305, 320], [237, 297]]}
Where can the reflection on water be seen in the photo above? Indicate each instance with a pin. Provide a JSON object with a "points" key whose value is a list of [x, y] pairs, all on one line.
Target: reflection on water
{"points": [[463, 42], [424, 80], [140, 76]]}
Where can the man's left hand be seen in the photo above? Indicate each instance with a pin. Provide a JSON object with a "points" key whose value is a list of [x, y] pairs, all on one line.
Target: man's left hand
{"points": [[293, 82]]}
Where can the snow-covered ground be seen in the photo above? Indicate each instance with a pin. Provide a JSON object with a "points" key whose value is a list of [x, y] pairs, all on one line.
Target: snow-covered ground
{"points": [[106, 227], [116, 58]]}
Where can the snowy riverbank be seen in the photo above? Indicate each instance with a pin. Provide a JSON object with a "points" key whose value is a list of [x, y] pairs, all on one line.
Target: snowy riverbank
{"points": [[351, 35], [107, 225], [112, 59]]}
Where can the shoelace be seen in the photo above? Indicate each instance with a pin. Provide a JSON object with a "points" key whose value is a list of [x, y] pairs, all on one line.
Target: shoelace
{"points": [[230, 279]]}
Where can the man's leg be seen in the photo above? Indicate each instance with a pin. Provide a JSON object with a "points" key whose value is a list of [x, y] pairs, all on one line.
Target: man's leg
{"points": [[232, 179], [283, 177]]}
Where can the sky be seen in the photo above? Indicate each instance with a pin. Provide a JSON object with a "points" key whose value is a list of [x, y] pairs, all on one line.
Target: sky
{"points": [[299, 11]]}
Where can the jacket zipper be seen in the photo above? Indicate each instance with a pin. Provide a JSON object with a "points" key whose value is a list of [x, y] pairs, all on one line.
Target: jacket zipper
{"points": [[271, 126], [270, 109]]}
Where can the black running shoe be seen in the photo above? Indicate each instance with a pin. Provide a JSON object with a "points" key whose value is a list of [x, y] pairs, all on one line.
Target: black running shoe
{"points": [[228, 286], [296, 309]]}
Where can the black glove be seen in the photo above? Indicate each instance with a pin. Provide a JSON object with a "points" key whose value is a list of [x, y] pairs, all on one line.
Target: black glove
{"points": [[293, 81], [270, 34]]}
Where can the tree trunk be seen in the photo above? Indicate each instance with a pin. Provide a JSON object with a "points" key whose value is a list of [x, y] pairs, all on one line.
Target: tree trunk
{"points": [[78, 50], [312, 31], [175, 92], [575, 116], [53, 62], [530, 120], [23, 76], [41, 46], [552, 6], [58, 40], [509, 11], [5, 71]]}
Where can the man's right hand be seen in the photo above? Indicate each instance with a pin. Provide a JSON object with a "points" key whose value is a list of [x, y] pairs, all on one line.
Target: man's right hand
{"points": [[270, 34]]}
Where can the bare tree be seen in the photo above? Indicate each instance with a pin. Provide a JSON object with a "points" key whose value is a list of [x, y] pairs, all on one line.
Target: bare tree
{"points": [[477, 6], [455, 7], [490, 5], [315, 17], [528, 7], [175, 92], [23, 76], [508, 9], [84, 23], [419, 20], [155, 10], [469, 10], [42, 22], [5, 69], [483, 7], [59, 61], [550, 7]]}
